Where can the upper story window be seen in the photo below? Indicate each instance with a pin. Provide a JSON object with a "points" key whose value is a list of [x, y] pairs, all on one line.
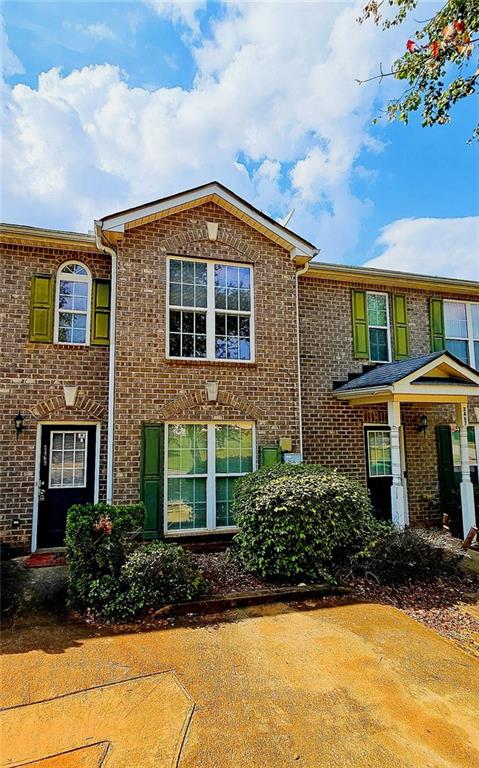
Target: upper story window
{"points": [[461, 330], [72, 304], [210, 310], [378, 327]]}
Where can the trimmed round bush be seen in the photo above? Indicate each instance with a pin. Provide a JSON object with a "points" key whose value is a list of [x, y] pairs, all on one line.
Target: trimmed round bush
{"points": [[157, 574], [300, 521]]}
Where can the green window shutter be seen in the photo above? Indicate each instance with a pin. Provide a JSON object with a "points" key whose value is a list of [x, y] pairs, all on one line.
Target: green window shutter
{"points": [[436, 316], [360, 325], [269, 455], [100, 315], [401, 330], [152, 478], [41, 308]]}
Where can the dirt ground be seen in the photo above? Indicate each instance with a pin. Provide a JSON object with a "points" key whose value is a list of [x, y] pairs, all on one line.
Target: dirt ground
{"points": [[358, 685]]}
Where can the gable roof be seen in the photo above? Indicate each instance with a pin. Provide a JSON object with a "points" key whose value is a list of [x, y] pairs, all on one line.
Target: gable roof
{"points": [[221, 196], [436, 369], [389, 373]]}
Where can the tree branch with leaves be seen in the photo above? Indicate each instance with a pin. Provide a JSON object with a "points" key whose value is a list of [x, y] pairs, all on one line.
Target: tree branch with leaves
{"points": [[440, 63]]}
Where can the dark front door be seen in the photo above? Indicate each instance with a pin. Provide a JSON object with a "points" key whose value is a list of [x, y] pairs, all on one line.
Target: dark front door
{"points": [[379, 471], [67, 476]]}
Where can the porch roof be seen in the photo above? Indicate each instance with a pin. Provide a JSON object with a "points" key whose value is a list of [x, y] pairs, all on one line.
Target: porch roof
{"points": [[435, 377]]}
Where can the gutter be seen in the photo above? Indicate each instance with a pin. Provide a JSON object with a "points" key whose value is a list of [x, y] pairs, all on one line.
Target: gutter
{"points": [[299, 272], [106, 248]]}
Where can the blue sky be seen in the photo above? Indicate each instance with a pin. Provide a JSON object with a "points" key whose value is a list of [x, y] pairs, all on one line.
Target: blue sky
{"points": [[116, 103]]}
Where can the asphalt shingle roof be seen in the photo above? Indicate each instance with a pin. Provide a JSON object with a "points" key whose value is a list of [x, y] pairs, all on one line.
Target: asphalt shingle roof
{"points": [[389, 373]]}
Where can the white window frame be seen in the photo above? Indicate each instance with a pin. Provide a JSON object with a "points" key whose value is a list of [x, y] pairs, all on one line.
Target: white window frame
{"points": [[387, 327], [211, 476], [210, 311], [67, 432], [470, 335], [79, 279]]}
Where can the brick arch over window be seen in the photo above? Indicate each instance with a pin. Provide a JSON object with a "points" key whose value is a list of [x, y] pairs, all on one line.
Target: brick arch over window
{"points": [[200, 234], [83, 405], [192, 400]]}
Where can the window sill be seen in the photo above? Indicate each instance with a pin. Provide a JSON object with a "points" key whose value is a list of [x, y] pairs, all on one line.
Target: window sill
{"points": [[200, 532], [204, 361]]}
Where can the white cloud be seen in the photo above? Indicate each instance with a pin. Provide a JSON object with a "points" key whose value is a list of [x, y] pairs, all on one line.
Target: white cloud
{"points": [[273, 112], [100, 31], [97, 31], [10, 64], [445, 247], [183, 13]]}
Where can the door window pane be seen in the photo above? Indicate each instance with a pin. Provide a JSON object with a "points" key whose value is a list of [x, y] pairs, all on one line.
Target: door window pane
{"points": [[68, 457], [379, 453]]}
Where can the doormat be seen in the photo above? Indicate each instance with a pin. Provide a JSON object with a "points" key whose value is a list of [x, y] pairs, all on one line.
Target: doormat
{"points": [[45, 560]]}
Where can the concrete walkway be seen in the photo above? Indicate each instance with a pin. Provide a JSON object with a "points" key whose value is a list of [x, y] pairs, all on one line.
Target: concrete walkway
{"points": [[351, 685]]}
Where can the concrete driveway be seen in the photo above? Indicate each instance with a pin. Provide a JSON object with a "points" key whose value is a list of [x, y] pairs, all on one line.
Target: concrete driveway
{"points": [[350, 685]]}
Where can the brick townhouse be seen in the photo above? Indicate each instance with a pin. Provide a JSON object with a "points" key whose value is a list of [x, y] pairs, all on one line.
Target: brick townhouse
{"points": [[189, 340]]}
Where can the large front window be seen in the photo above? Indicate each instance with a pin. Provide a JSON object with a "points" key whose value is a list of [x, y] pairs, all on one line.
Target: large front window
{"points": [[202, 464], [378, 327], [210, 310], [461, 330]]}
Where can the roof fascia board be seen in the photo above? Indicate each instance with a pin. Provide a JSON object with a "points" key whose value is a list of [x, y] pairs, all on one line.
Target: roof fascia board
{"points": [[391, 277], [114, 223], [46, 237]]}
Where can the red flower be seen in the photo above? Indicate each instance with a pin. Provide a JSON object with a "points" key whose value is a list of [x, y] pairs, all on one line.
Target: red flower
{"points": [[459, 25], [410, 45], [434, 46]]}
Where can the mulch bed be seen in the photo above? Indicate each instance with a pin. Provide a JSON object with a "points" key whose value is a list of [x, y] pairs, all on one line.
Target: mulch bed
{"points": [[440, 604]]}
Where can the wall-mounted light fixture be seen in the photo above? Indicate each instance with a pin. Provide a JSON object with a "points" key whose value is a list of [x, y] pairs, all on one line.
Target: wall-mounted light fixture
{"points": [[212, 391], [422, 424], [18, 419]]}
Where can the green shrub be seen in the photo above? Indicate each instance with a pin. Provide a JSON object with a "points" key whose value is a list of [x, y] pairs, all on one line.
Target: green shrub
{"points": [[158, 574], [98, 540], [300, 521], [395, 557]]}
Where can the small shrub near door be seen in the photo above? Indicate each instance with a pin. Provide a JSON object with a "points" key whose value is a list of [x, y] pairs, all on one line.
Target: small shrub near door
{"points": [[98, 540], [158, 574], [113, 575], [300, 522]]}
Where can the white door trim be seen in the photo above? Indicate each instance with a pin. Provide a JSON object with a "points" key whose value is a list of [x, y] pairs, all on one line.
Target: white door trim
{"points": [[36, 482]]}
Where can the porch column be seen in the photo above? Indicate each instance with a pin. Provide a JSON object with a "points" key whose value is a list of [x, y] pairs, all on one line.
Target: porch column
{"points": [[398, 511], [467, 492]]}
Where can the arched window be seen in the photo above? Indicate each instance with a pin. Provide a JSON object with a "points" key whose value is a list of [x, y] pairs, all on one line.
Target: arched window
{"points": [[72, 304]]}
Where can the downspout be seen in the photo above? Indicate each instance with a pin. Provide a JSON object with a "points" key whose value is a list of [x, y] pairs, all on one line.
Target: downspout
{"points": [[105, 248], [299, 272]]}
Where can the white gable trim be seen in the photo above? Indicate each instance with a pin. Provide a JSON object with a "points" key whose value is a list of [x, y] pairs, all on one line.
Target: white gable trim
{"points": [[211, 193]]}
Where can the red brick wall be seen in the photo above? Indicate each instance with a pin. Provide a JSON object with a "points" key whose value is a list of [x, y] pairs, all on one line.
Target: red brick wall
{"points": [[32, 378], [334, 430], [152, 388]]}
